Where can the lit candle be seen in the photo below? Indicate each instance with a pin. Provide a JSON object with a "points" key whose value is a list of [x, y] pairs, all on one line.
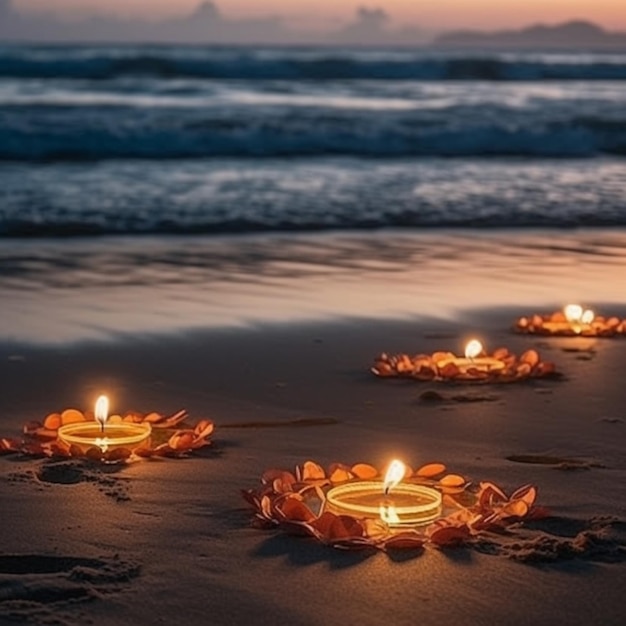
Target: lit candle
{"points": [[395, 473], [473, 360], [104, 435], [102, 411], [574, 319], [573, 313], [587, 317], [396, 503]]}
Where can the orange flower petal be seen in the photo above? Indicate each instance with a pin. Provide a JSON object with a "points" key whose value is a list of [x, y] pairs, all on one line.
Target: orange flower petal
{"points": [[449, 535], [153, 418], [431, 470], [531, 357], [527, 493], [204, 428], [53, 421], [404, 541], [515, 508], [452, 480], [70, 416], [364, 471], [295, 510], [340, 475], [312, 471], [181, 440]]}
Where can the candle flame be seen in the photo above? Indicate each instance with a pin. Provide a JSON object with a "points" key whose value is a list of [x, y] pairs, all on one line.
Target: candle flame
{"points": [[394, 475], [587, 317], [102, 410], [388, 514], [473, 349], [573, 312]]}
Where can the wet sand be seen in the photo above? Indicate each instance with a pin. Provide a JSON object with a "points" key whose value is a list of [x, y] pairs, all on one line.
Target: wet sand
{"points": [[60, 291]]}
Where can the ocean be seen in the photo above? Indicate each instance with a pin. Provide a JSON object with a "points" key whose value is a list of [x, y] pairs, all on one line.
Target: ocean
{"points": [[209, 165]]}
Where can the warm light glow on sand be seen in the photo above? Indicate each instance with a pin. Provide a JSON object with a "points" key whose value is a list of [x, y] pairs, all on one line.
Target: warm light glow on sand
{"points": [[430, 14]]}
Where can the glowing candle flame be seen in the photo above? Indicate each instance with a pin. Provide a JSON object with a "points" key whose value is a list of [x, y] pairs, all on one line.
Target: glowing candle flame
{"points": [[573, 312], [587, 317], [388, 514], [473, 349], [394, 475], [102, 410]]}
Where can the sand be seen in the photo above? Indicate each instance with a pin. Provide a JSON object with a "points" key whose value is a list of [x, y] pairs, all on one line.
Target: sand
{"points": [[169, 541]]}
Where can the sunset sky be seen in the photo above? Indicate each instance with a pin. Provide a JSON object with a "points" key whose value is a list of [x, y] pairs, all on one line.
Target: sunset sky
{"points": [[428, 14]]}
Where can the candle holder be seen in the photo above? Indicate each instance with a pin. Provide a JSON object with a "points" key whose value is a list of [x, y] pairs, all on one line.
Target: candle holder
{"points": [[475, 367], [409, 505], [117, 439], [112, 437], [353, 507], [572, 321]]}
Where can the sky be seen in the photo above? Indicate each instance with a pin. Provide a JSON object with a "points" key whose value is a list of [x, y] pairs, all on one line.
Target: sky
{"points": [[427, 14]]}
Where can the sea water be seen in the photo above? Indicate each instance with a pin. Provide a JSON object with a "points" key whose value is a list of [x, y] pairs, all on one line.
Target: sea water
{"points": [[212, 185]]}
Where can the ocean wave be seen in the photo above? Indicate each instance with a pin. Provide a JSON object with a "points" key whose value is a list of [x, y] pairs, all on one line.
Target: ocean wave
{"points": [[24, 228], [283, 195], [56, 136], [166, 63]]}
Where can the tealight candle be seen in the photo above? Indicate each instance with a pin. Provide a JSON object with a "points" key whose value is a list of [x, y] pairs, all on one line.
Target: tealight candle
{"points": [[574, 319], [396, 503], [104, 435], [473, 360]]}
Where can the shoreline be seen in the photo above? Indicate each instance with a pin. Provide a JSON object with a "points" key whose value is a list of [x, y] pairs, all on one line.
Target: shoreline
{"points": [[124, 287]]}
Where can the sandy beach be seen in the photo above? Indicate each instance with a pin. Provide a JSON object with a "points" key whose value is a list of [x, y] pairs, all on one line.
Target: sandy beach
{"points": [[156, 540]]}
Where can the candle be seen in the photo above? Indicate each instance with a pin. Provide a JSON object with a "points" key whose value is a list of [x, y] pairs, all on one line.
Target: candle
{"points": [[102, 411], [475, 359], [103, 434], [396, 503], [571, 321], [574, 319], [578, 317]]}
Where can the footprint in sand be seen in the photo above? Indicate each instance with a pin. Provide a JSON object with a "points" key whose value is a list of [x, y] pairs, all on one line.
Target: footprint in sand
{"points": [[33, 586], [555, 539], [76, 471]]}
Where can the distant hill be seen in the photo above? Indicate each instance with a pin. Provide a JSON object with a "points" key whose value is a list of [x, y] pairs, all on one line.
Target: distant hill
{"points": [[578, 35]]}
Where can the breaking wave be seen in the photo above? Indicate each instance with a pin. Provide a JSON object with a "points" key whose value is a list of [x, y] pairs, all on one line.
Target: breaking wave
{"points": [[102, 63]]}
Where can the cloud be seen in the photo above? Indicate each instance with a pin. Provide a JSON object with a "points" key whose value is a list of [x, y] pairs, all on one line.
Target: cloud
{"points": [[206, 24], [371, 26]]}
